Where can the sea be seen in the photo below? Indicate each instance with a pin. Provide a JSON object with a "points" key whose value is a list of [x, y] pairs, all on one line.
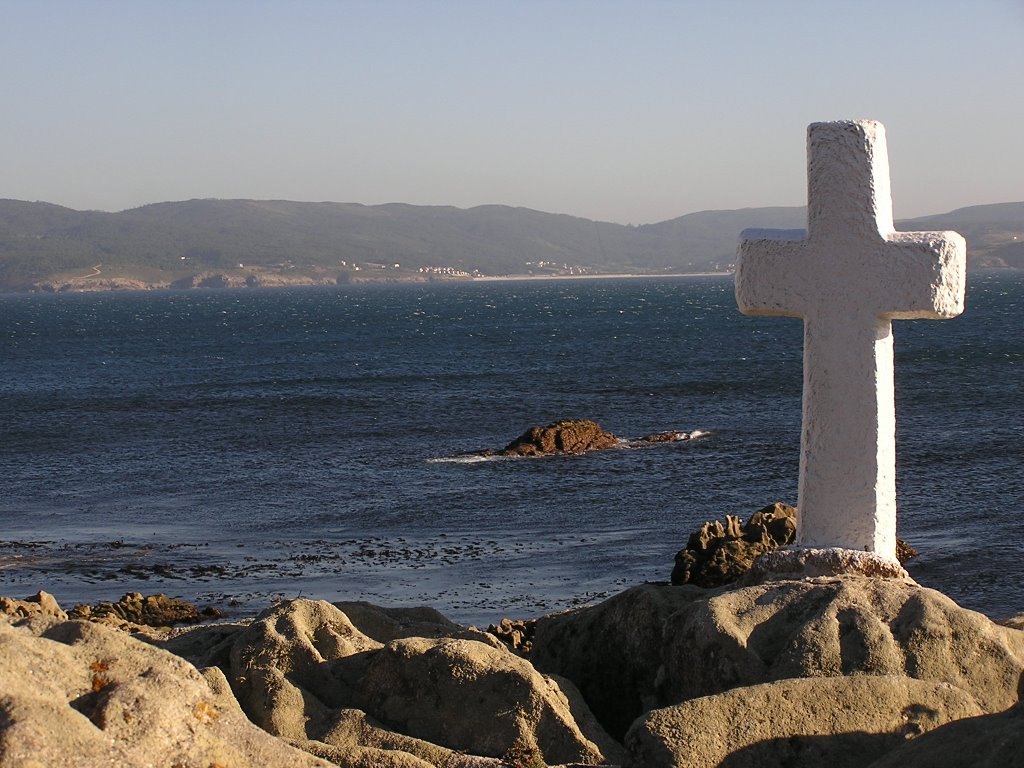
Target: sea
{"points": [[237, 447]]}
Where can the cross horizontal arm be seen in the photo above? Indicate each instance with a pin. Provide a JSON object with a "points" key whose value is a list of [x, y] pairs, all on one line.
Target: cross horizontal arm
{"points": [[769, 273], [935, 265]]}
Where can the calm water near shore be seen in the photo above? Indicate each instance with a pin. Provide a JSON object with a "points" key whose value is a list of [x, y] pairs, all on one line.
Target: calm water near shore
{"points": [[240, 445]]}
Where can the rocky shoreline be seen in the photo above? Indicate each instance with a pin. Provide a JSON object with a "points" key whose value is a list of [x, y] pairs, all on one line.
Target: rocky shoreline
{"points": [[266, 278], [838, 670]]}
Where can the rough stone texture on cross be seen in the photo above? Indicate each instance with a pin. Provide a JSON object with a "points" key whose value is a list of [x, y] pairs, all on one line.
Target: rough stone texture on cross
{"points": [[848, 276]]}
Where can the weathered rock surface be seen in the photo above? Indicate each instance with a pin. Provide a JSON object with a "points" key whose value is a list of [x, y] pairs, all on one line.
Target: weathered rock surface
{"points": [[142, 611], [810, 672], [990, 741], [282, 666], [305, 672], [354, 739], [85, 695], [566, 436], [835, 626], [659, 645], [719, 554], [802, 723], [612, 651], [516, 634], [203, 646], [387, 624], [421, 687], [575, 436], [808, 562], [40, 605], [1016, 622], [288, 685]]}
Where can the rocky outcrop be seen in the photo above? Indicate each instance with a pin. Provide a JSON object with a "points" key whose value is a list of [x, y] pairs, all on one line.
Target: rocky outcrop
{"points": [[566, 436], [516, 634], [304, 671], [833, 627], [1016, 622], [387, 624], [93, 284], [719, 554], [283, 665], [802, 723], [575, 436], [209, 280], [135, 610], [420, 687], [41, 605], [657, 645], [831, 671], [612, 651], [86, 695]]}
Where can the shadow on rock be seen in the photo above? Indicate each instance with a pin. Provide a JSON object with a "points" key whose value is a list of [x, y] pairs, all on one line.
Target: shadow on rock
{"points": [[989, 741], [841, 750], [799, 723]]}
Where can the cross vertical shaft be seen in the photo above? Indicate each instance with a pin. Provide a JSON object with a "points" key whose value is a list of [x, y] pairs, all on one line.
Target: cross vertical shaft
{"points": [[848, 411]]}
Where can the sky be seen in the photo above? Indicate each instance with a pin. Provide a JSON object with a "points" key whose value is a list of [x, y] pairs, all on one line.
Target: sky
{"points": [[631, 112]]}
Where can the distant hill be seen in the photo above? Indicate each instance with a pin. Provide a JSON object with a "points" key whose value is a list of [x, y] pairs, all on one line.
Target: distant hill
{"points": [[260, 242], [995, 233]]}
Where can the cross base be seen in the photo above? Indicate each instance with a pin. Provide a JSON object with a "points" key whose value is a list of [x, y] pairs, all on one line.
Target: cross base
{"points": [[791, 563]]}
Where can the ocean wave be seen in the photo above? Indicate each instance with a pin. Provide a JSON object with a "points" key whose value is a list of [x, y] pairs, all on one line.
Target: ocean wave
{"points": [[467, 458]]}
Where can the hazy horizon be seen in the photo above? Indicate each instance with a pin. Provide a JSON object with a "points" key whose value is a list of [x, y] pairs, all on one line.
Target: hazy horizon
{"points": [[612, 111], [478, 205]]}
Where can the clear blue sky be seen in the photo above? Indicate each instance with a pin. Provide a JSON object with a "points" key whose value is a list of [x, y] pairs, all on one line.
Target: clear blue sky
{"points": [[622, 111]]}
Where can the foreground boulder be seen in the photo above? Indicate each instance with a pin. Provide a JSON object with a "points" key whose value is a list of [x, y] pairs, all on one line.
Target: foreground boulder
{"points": [[387, 624], [830, 671], [836, 626], [306, 673], [990, 741], [659, 645], [803, 723], [82, 694], [421, 687], [612, 651]]}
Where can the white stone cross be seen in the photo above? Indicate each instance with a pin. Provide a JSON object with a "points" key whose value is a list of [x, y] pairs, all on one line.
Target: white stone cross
{"points": [[848, 276]]}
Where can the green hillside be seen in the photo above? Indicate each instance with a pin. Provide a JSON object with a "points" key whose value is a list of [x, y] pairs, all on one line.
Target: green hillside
{"points": [[995, 233], [167, 242]]}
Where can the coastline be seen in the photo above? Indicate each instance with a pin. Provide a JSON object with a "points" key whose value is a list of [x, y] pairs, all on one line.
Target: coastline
{"points": [[603, 276], [95, 283]]}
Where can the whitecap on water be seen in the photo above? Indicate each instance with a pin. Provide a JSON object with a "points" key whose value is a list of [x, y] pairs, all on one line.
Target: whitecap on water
{"points": [[464, 459]]}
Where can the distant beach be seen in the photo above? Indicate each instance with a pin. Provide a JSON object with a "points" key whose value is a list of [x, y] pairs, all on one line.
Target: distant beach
{"points": [[613, 275]]}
